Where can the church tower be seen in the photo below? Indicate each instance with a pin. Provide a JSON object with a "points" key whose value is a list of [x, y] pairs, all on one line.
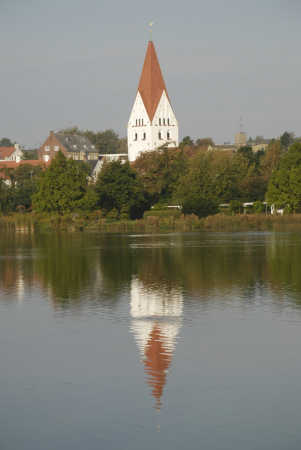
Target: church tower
{"points": [[152, 122]]}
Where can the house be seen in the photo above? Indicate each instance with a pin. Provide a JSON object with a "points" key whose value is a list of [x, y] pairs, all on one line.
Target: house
{"points": [[152, 122], [258, 147], [73, 146], [13, 153], [222, 148]]}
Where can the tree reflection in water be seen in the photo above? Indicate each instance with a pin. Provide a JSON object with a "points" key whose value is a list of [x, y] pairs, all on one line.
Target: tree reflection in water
{"points": [[76, 269]]}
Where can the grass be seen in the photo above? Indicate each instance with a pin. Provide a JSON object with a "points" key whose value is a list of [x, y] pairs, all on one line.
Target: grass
{"points": [[153, 221]]}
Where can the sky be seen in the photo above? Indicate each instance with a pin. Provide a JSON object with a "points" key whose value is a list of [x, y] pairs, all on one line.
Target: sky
{"points": [[78, 62]]}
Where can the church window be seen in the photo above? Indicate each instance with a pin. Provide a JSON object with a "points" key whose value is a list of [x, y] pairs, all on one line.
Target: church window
{"points": [[136, 137], [168, 135], [159, 121], [159, 135], [136, 122], [142, 122], [163, 121], [168, 122], [144, 136]]}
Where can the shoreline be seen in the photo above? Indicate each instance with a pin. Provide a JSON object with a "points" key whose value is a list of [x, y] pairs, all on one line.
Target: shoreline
{"points": [[75, 222]]}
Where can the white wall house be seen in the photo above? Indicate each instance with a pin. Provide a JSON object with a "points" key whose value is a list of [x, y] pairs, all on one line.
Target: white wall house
{"points": [[11, 153], [152, 122]]}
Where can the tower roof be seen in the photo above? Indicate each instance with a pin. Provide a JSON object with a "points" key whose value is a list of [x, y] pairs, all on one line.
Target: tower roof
{"points": [[151, 84]]}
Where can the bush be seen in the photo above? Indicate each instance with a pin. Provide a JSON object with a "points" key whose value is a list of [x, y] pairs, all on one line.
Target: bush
{"points": [[258, 207], [236, 206]]}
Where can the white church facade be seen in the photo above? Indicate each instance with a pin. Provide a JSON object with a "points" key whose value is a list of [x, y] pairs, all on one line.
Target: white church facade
{"points": [[152, 122]]}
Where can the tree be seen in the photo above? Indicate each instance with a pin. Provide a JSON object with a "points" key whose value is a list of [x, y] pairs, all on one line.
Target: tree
{"points": [[6, 203], [159, 172], [227, 171], [271, 158], [284, 189], [287, 139], [105, 141], [119, 189], [5, 142], [30, 154], [62, 187], [247, 153], [196, 190], [26, 184], [186, 141]]}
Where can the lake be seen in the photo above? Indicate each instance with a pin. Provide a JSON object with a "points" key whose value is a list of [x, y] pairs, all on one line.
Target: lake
{"points": [[165, 341]]}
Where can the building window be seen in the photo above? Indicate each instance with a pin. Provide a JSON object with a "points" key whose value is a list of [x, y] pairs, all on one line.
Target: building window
{"points": [[168, 122], [168, 135], [136, 137], [56, 148], [46, 158], [144, 136], [136, 122], [47, 148], [159, 135], [159, 121], [163, 121], [142, 122]]}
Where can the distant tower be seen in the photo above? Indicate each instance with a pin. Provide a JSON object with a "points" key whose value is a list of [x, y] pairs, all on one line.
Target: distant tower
{"points": [[241, 137], [152, 121]]}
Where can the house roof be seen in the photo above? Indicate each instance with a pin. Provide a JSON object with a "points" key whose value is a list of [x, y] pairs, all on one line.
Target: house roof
{"points": [[151, 84], [5, 152], [76, 143]]}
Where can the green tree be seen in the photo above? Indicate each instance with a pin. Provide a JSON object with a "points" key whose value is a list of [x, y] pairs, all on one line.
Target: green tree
{"points": [[119, 189], [196, 190], [5, 142], [271, 158], [186, 141], [30, 154], [62, 187], [284, 189], [6, 199], [26, 184], [287, 139], [204, 142], [105, 142], [160, 171]]}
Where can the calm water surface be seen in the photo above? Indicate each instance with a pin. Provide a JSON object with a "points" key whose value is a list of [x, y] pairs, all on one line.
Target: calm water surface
{"points": [[174, 341]]}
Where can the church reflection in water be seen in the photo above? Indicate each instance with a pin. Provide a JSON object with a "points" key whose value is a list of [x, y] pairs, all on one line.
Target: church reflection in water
{"points": [[156, 320]]}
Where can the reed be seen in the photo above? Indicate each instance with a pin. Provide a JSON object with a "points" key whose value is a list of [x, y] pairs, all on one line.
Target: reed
{"points": [[151, 223]]}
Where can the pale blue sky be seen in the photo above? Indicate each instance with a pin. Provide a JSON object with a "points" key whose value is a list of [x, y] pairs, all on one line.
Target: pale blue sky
{"points": [[78, 62]]}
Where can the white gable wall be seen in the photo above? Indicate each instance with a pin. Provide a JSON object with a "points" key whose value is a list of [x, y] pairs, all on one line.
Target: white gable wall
{"points": [[136, 143], [164, 122], [168, 124]]}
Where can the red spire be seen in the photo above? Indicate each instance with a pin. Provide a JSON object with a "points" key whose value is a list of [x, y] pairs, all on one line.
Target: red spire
{"points": [[157, 361], [151, 84]]}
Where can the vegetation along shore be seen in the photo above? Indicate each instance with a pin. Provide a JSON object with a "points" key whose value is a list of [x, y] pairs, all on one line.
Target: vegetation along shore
{"points": [[207, 190]]}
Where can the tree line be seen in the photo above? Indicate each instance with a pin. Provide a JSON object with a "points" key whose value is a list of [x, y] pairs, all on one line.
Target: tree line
{"points": [[190, 176]]}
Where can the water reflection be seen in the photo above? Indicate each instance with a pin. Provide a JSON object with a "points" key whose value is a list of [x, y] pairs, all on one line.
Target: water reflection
{"points": [[77, 270], [156, 321]]}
